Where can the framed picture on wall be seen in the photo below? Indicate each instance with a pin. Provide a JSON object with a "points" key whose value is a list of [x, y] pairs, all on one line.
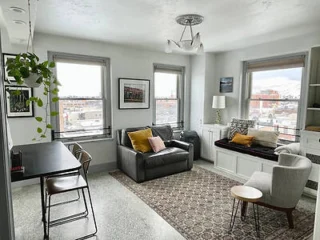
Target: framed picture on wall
{"points": [[226, 84], [6, 56], [17, 104], [134, 93]]}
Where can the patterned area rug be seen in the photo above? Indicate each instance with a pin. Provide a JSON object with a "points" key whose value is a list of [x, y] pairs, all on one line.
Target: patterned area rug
{"points": [[198, 204]]}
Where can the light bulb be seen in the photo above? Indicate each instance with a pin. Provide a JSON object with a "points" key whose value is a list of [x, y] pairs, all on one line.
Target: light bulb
{"points": [[200, 49], [196, 41], [168, 47]]}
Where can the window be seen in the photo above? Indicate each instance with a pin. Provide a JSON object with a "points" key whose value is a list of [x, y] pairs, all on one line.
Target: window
{"points": [[168, 94], [83, 106], [273, 95]]}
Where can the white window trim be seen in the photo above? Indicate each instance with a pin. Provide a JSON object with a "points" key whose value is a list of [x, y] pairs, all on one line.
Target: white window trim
{"points": [[245, 86], [157, 67], [106, 93]]}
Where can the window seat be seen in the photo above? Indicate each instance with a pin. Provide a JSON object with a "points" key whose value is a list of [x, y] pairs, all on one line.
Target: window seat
{"points": [[254, 150]]}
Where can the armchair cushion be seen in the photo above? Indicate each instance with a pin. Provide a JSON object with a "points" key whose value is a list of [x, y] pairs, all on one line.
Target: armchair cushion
{"points": [[164, 132], [124, 138], [166, 156], [156, 144], [139, 140], [261, 181]]}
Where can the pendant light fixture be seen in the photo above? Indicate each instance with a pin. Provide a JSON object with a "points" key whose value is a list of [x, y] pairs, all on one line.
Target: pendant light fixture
{"points": [[188, 44]]}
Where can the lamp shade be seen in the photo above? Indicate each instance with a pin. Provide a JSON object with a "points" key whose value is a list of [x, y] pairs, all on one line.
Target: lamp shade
{"points": [[219, 102]]}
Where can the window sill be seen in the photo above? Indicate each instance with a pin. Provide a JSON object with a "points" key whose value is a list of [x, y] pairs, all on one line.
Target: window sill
{"points": [[68, 141]]}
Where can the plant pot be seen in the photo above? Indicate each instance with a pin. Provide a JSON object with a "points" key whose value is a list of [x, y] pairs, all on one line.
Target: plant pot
{"points": [[31, 81]]}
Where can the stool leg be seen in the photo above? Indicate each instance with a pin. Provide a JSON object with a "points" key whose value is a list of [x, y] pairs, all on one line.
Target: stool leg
{"points": [[244, 207], [256, 218], [233, 214]]}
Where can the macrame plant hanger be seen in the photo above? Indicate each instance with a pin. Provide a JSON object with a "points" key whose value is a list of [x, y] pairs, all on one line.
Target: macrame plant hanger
{"points": [[30, 39]]}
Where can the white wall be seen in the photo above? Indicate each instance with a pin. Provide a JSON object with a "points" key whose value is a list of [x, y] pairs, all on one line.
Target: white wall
{"points": [[197, 90], [210, 88], [229, 64], [125, 62]]}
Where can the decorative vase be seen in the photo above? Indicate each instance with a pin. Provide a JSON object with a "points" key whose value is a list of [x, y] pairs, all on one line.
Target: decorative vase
{"points": [[31, 81]]}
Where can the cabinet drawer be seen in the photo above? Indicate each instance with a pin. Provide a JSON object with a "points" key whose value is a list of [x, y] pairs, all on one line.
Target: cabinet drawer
{"points": [[313, 142]]}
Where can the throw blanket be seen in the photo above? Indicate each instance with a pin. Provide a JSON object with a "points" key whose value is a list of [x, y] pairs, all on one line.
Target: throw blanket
{"points": [[293, 148]]}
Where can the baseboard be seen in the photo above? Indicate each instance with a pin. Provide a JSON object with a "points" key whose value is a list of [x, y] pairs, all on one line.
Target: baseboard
{"points": [[93, 169], [24, 183], [103, 167]]}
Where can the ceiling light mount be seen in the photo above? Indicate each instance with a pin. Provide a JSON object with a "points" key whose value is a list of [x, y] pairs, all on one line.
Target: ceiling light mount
{"points": [[188, 44], [189, 19]]}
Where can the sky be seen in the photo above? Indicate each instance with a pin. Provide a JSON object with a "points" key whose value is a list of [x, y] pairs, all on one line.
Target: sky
{"points": [[165, 85], [285, 81], [79, 80]]}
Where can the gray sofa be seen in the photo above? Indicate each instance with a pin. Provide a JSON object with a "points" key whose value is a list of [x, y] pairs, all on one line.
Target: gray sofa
{"points": [[177, 157]]}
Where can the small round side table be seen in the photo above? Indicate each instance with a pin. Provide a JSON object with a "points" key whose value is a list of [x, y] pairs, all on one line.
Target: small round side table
{"points": [[246, 194]]}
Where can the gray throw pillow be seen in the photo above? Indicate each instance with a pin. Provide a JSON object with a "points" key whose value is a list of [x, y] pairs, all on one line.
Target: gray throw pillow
{"points": [[240, 126]]}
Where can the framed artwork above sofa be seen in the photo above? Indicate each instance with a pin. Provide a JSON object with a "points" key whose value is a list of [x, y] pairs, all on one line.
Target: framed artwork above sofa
{"points": [[134, 93]]}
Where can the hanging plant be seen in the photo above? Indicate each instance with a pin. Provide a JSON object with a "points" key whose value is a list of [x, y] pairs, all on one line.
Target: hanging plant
{"points": [[26, 70]]}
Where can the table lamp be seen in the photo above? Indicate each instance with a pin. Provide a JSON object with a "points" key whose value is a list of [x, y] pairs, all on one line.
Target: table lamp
{"points": [[218, 102]]}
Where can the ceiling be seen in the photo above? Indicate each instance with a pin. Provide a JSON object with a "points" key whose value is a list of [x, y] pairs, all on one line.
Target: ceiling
{"points": [[228, 24]]}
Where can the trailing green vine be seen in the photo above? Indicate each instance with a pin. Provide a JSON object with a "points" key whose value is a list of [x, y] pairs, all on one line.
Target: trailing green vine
{"points": [[22, 67]]}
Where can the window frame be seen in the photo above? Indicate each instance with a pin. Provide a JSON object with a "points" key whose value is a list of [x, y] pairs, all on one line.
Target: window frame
{"points": [[246, 90], [105, 96], [180, 71]]}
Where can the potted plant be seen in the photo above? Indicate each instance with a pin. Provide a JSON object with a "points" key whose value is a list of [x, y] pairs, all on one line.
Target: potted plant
{"points": [[27, 70]]}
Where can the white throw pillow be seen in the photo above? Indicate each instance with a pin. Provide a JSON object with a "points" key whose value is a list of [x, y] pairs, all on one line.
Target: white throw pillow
{"points": [[264, 138]]}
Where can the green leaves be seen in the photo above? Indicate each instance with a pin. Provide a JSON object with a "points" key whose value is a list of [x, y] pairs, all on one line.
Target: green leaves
{"points": [[55, 91], [39, 119], [52, 64], [24, 71], [55, 99], [20, 68], [39, 102]]}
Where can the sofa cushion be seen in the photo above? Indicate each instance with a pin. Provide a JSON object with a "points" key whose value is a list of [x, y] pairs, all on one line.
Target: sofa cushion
{"points": [[264, 138], [166, 156], [125, 140], [254, 150], [245, 140], [240, 126], [165, 132], [139, 140]]}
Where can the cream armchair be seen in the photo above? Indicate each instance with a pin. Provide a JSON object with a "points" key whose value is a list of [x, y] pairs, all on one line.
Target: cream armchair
{"points": [[283, 188]]}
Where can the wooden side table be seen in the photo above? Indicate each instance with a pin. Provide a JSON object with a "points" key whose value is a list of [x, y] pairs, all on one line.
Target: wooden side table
{"points": [[246, 194]]}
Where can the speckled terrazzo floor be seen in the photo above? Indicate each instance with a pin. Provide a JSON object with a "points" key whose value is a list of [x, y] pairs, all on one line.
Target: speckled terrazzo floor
{"points": [[120, 214]]}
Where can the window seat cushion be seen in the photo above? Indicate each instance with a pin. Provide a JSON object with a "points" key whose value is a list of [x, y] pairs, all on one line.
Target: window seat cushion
{"points": [[254, 150]]}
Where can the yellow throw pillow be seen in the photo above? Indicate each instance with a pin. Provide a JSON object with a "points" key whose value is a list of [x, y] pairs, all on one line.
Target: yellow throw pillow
{"points": [[242, 139], [139, 140]]}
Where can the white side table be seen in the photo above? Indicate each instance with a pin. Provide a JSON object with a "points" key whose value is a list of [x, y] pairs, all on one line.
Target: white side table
{"points": [[209, 134]]}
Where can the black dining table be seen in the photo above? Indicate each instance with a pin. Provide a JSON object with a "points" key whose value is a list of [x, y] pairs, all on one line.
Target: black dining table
{"points": [[41, 160]]}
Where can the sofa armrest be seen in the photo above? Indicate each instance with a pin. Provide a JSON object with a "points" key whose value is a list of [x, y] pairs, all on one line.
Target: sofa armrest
{"points": [[185, 146], [131, 162]]}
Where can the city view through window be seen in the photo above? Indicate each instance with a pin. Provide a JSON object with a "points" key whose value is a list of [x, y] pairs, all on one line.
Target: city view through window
{"points": [[166, 97], [274, 102], [81, 99]]}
